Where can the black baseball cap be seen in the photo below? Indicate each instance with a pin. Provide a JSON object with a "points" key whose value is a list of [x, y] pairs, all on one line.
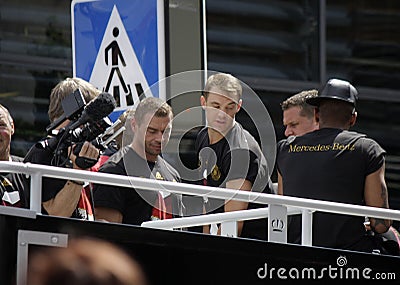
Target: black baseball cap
{"points": [[336, 89]]}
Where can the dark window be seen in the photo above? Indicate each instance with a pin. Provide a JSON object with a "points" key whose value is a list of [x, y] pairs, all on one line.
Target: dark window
{"points": [[35, 53], [267, 39], [363, 42]]}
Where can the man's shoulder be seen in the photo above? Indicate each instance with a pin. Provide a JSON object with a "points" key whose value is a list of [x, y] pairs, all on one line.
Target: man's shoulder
{"points": [[114, 164], [369, 141], [324, 134], [240, 138], [166, 166], [352, 134], [249, 137], [281, 143], [358, 138], [282, 148], [39, 154], [368, 144]]}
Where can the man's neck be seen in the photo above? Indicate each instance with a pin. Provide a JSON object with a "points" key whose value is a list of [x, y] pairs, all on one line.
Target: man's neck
{"points": [[333, 126], [142, 153], [215, 136]]}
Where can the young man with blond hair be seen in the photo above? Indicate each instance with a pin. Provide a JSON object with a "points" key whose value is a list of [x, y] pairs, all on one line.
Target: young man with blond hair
{"points": [[229, 156]]}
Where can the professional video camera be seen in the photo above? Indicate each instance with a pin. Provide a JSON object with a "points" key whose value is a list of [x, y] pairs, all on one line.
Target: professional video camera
{"points": [[88, 122]]}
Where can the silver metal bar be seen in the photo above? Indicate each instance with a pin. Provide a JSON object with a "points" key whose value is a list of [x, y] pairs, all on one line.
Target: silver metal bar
{"points": [[25, 238]]}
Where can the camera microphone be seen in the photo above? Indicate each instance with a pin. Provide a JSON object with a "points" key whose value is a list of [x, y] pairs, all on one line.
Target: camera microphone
{"points": [[95, 110]]}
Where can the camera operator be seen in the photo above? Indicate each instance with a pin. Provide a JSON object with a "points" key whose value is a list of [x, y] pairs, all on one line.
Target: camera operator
{"points": [[61, 197]]}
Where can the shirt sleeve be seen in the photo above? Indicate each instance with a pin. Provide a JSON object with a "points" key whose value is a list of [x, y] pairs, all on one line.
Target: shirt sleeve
{"points": [[240, 164], [278, 152], [375, 156], [109, 196], [50, 186]]}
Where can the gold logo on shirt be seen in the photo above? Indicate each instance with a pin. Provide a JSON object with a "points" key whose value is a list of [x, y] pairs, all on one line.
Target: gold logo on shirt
{"points": [[215, 173], [321, 147], [159, 176], [6, 182]]}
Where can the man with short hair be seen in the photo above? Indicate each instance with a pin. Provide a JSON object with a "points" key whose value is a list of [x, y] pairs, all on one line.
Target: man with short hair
{"points": [[335, 164], [229, 156], [60, 197], [12, 192], [151, 125], [298, 116]]}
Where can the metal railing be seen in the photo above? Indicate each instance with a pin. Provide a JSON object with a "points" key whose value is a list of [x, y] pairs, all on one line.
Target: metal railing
{"points": [[278, 206]]}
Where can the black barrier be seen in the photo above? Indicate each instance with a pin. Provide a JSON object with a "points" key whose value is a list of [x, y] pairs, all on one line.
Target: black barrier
{"points": [[171, 257]]}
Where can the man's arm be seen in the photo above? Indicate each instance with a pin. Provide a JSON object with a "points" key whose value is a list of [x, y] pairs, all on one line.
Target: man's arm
{"points": [[232, 205], [108, 214], [280, 184], [65, 202], [376, 195]]}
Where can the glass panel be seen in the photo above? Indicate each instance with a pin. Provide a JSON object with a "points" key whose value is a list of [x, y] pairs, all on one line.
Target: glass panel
{"points": [[267, 39], [363, 41], [35, 53], [379, 120]]}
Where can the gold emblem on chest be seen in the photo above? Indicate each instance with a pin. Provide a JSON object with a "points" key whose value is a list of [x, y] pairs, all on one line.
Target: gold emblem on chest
{"points": [[215, 173]]}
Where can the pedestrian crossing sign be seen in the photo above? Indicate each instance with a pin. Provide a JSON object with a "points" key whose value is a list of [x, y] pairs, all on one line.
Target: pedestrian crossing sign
{"points": [[119, 47]]}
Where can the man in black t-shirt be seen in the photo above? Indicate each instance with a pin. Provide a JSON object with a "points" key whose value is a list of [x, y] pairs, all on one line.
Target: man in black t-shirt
{"points": [[229, 156], [14, 193], [151, 125], [338, 165]]}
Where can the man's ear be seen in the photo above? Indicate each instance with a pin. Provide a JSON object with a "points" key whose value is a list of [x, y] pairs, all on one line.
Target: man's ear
{"points": [[12, 128], [316, 115], [203, 101], [133, 124], [239, 105], [353, 119]]}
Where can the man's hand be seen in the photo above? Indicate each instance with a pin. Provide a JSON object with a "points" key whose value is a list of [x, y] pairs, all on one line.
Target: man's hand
{"points": [[87, 157], [64, 203]]}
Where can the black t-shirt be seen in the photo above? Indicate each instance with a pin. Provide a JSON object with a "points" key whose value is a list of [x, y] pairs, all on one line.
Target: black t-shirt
{"points": [[44, 156], [331, 165], [135, 205], [51, 186], [235, 156]]}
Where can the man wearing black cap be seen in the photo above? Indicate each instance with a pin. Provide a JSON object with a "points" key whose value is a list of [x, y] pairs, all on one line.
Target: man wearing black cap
{"points": [[335, 164]]}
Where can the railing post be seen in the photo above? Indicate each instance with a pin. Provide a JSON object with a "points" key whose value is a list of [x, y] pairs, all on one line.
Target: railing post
{"points": [[306, 227], [277, 223], [25, 238], [36, 192]]}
